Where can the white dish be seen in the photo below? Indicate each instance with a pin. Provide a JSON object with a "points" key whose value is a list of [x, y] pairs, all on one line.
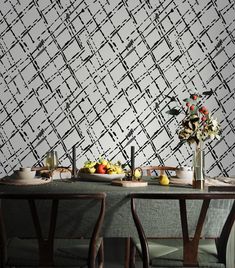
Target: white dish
{"points": [[24, 175], [100, 177], [11, 180]]}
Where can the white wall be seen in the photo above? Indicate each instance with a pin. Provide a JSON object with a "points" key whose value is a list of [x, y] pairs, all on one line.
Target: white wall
{"points": [[99, 74]]}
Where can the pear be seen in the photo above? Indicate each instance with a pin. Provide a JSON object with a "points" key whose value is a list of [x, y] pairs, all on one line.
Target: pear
{"points": [[137, 174], [164, 179], [89, 164]]}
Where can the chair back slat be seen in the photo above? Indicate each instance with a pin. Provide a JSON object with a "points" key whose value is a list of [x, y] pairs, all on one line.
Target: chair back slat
{"points": [[141, 234], [222, 241], [45, 245], [95, 235]]}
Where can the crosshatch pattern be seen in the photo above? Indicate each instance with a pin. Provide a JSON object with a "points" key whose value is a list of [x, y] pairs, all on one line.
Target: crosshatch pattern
{"points": [[100, 75]]}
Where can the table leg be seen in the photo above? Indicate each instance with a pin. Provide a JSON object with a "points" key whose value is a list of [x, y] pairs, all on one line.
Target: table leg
{"points": [[127, 251]]}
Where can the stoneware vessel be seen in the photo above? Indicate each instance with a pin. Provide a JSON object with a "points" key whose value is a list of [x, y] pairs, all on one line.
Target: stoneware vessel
{"points": [[24, 173], [184, 173]]}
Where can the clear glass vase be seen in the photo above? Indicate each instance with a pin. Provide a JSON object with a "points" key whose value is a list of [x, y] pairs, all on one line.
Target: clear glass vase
{"points": [[199, 167]]}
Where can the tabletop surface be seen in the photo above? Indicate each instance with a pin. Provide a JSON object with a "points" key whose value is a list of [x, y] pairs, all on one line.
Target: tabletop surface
{"points": [[69, 185], [118, 221]]}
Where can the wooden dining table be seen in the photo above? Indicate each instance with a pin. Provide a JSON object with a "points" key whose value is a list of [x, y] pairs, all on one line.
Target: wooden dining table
{"points": [[162, 218]]}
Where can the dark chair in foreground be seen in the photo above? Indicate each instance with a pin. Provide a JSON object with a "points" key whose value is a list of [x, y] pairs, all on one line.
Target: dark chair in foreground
{"points": [[146, 171], [186, 251], [48, 250]]}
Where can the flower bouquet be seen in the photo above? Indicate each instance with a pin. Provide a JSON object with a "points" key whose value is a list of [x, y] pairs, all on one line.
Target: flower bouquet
{"points": [[197, 126]]}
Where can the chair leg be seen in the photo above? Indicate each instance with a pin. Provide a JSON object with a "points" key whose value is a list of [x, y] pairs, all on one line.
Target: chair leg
{"points": [[101, 255]]}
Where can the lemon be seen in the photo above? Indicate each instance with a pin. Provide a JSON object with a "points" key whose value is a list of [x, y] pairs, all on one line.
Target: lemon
{"points": [[137, 173], [164, 179]]}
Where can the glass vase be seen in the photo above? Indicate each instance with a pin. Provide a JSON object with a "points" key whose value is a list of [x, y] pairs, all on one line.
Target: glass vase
{"points": [[199, 167]]}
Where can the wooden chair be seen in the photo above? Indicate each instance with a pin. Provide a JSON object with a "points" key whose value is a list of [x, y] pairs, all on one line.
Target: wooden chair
{"points": [[186, 251], [162, 169], [51, 251], [146, 171]]}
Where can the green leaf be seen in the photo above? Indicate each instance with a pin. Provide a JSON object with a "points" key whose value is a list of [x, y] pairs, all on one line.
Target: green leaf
{"points": [[173, 111]]}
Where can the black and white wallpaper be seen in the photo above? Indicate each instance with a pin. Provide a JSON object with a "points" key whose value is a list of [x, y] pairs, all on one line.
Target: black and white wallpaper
{"points": [[101, 75]]}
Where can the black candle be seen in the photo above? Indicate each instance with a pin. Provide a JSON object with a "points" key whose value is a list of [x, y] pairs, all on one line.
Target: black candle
{"points": [[74, 169], [132, 159]]}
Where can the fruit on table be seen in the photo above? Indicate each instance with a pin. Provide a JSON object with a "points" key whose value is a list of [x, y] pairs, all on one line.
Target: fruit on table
{"points": [[89, 164], [104, 162], [89, 167], [103, 166], [164, 179], [101, 169], [137, 173], [87, 170]]}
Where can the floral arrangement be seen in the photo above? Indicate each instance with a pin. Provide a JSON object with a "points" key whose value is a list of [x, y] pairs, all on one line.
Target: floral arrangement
{"points": [[198, 124]]}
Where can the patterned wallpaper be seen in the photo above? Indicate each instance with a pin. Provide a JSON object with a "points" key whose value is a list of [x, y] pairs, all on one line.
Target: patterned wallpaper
{"points": [[101, 75]]}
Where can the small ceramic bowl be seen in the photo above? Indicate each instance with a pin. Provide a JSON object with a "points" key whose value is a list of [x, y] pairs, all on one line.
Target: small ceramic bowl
{"points": [[25, 174], [184, 173], [25, 169]]}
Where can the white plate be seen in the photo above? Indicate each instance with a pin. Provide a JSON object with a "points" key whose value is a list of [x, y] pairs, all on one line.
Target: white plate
{"points": [[100, 177], [13, 181]]}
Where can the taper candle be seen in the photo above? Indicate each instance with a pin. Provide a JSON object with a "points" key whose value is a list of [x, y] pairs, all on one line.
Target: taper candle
{"points": [[74, 168], [132, 159]]}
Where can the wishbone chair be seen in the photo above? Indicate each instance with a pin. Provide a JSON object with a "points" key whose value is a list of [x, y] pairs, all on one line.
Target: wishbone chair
{"points": [[50, 250], [188, 251]]}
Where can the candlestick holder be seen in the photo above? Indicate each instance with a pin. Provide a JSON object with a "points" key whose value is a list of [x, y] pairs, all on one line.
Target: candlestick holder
{"points": [[132, 163], [74, 168]]}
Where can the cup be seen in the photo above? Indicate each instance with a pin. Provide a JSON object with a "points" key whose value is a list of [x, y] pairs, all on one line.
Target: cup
{"points": [[51, 160], [25, 169], [24, 173], [184, 172]]}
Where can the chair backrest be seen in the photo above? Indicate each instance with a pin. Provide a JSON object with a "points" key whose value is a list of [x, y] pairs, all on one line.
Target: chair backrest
{"points": [[46, 245], [161, 169], [190, 246]]}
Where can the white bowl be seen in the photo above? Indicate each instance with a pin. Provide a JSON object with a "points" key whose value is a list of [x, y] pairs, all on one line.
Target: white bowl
{"points": [[25, 169], [184, 173], [99, 177], [24, 175]]}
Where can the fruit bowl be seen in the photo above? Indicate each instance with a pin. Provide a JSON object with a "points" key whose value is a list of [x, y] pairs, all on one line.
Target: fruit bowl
{"points": [[102, 170], [99, 177]]}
